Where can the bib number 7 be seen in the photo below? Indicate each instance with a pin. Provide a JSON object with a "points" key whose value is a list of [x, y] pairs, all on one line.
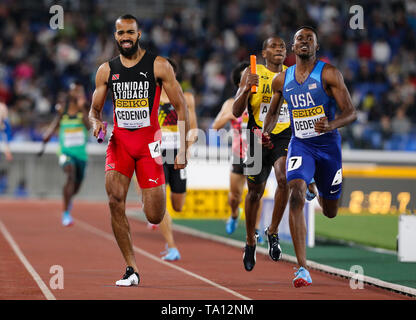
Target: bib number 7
{"points": [[294, 163]]}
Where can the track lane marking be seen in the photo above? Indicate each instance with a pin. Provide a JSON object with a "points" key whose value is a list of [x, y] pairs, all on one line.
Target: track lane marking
{"points": [[42, 286], [110, 237]]}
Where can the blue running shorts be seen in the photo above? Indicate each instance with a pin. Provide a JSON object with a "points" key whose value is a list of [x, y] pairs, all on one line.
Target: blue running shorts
{"points": [[323, 162]]}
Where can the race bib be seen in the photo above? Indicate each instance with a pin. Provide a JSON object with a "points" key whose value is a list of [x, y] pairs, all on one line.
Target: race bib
{"points": [[154, 148], [284, 114], [264, 107], [182, 174], [304, 121], [74, 137], [294, 163], [132, 113]]}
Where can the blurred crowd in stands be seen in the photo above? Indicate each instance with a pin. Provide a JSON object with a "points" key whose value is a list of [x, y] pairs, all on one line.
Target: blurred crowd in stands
{"points": [[207, 39]]}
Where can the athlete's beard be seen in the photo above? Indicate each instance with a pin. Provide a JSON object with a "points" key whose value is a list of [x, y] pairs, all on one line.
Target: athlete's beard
{"points": [[306, 56], [128, 52]]}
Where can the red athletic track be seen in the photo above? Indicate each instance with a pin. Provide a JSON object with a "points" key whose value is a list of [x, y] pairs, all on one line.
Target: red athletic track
{"points": [[92, 262]]}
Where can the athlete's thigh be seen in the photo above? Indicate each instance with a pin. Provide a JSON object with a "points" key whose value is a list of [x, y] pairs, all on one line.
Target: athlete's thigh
{"points": [[261, 177], [300, 162], [149, 172], [116, 185], [278, 156], [154, 202], [80, 170], [328, 176], [118, 159], [68, 166], [280, 169]]}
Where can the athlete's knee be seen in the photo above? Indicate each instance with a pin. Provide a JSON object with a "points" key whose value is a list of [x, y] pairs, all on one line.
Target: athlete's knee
{"points": [[329, 207], [254, 195], [70, 177], [234, 198], [155, 213], [282, 183], [178, 201], [297, 197], [177, 206], [329, 210], [115, 201], [330, 213], [155, 217]]}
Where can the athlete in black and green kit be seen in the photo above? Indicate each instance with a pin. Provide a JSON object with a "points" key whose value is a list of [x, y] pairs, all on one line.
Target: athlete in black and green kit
{"points": [[72, 120]]}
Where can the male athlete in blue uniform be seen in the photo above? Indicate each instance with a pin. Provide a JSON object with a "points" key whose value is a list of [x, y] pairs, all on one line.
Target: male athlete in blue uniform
{"points": [[312, 89]]}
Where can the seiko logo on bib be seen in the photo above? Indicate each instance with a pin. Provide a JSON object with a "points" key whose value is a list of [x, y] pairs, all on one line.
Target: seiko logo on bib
{"points": [[132, 104], [304, 121]]}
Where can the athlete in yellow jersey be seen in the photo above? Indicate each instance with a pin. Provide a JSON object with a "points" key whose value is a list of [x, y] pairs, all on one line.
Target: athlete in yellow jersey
{"points": [[274, 53], [259, 102]]}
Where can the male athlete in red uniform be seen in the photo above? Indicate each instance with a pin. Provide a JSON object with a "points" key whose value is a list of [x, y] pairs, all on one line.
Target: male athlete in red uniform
{"points": [[135, 79]]}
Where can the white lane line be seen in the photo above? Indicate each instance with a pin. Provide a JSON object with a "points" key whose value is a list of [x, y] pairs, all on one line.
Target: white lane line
{"points": [[158, 259], [42, 286]]}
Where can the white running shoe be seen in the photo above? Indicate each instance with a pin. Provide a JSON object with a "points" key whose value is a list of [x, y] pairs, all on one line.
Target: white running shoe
{"points": [[130, 278]]}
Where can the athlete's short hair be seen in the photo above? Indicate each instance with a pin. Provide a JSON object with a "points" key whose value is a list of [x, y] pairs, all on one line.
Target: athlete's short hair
{"points": [[266, 41], [129, 17], [306, 27], [236, 73]]}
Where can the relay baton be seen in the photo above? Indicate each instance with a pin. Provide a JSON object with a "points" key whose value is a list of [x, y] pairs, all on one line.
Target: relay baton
{"points": [[101, 134], [253, 69]]}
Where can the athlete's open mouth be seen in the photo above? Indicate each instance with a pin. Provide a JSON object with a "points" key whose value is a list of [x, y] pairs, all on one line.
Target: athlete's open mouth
{"points": [[127, 44]]}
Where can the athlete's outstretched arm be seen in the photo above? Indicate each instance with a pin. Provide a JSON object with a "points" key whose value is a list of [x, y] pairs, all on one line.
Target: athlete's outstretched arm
{"points": [[248, 80], [54, 124], [225, 114], [275, 104], [51, 128], [98, 99], [335, 87], [164, 72]]}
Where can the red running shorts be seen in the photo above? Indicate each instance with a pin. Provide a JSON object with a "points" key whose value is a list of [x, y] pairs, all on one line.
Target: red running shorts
{"points": [[138, 151]]}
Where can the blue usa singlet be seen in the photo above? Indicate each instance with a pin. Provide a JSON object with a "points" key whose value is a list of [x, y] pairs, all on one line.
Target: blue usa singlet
{"points": [[312, 154]]}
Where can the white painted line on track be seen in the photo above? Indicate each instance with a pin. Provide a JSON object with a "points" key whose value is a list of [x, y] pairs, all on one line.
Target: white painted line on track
{"points": [[111, 237], [42, 286]]}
